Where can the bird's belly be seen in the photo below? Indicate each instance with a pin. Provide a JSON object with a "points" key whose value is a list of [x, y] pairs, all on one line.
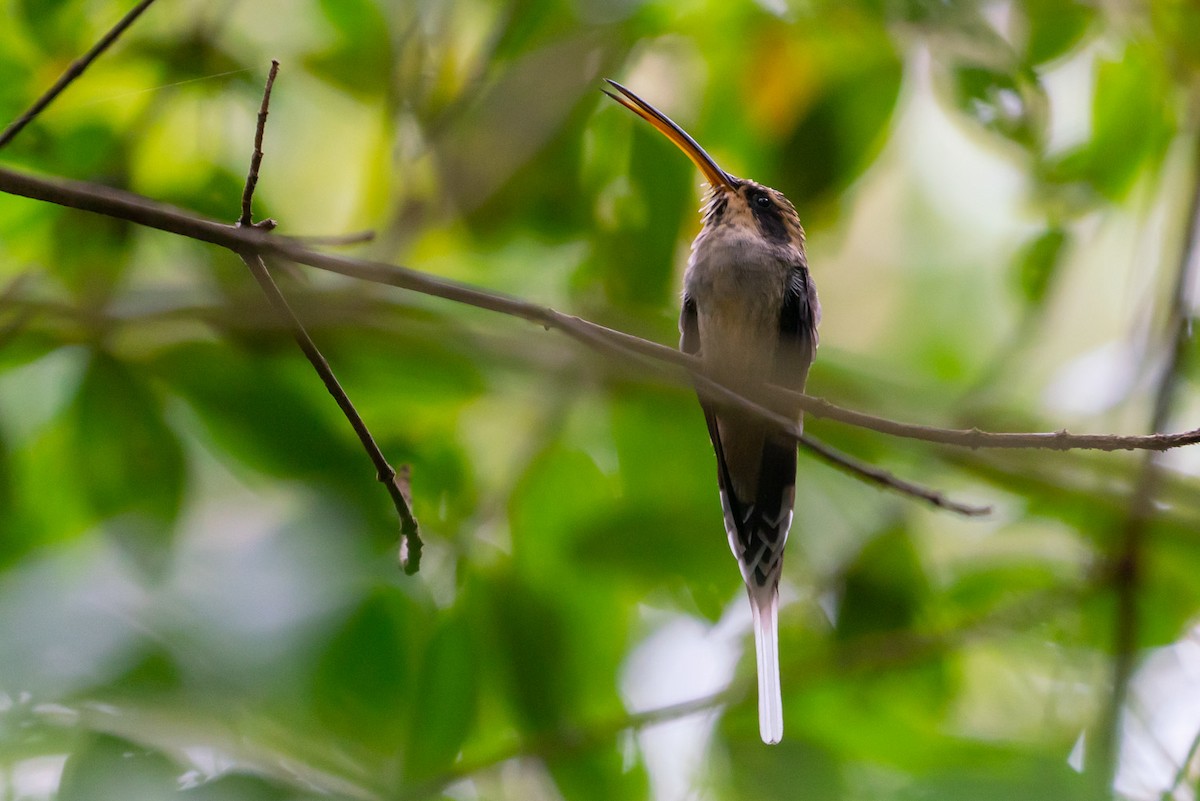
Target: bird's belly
{"points": [[738, 305], [737, 309], [737, 341]]}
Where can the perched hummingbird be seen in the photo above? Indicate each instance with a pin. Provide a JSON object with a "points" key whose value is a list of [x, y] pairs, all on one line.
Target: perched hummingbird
{"points": [[750, 313]]}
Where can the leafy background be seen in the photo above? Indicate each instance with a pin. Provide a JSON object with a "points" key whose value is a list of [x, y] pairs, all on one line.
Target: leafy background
{"points": [[200, 593]]}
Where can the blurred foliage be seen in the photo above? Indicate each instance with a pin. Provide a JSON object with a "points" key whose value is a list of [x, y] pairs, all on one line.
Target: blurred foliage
{"points": [[199, 593]]}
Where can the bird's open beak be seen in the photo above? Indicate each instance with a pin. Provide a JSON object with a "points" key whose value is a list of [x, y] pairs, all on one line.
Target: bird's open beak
{"points": [[718, 178]]}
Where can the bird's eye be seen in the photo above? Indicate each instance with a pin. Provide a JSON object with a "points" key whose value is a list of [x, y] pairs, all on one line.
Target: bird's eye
{"points": [[762, 201]]}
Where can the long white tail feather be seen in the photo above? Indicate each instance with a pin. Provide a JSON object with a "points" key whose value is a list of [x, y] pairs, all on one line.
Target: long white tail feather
{"points": [[765, 606]]}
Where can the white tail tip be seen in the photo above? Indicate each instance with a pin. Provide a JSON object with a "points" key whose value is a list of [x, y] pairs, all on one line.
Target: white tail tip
{"points": [[766, 640]]}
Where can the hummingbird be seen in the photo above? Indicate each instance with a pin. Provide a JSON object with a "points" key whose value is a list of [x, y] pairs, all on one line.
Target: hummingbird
{"points": [[750, 314]]}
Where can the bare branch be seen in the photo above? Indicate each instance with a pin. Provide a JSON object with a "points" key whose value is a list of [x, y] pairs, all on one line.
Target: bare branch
{"points": [[397, 485], [883, 478], [141, 210], [77, 68], [256, 157]]}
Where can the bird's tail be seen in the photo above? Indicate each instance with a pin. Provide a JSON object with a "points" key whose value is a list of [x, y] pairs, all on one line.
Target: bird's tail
{"points": [[764, 603]]}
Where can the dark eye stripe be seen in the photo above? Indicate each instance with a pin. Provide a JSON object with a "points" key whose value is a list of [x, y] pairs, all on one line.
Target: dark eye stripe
{"points": [[770, 222]]}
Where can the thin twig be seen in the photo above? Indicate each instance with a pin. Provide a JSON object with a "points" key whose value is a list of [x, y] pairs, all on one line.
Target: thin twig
{"points": [[1126, 569], [247, 219], [883, 478], [410, 538], [397, 484], [151, 214], [77, 68]]}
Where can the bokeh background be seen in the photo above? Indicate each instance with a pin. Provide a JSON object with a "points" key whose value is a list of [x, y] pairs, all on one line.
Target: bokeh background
{"points": [[199, 595]]}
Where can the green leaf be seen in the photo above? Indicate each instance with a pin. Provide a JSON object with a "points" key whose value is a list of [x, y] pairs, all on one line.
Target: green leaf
{"points": [[108, 767], [1055, 26], [260, 411], [53, 24], [239, 787], [774, 773], [529, 637], [1133, 118], [635, 260], [363, 47], [90, 253], [1012, 104], [129, 459], [599, 775], [1037, 263], [361, 685], [445, 700], [841, 131], [884, 589], [559, 491]]}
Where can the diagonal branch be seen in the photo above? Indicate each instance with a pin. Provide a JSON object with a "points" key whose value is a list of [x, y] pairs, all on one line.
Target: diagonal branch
{"points": [[396, 484], [143, 211], [77, 68], [151, 214], [873, 475]]}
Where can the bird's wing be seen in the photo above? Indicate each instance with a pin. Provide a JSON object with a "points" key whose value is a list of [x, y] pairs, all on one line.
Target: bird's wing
{"points": [[689, 343], [768, 515], [798, 319]]}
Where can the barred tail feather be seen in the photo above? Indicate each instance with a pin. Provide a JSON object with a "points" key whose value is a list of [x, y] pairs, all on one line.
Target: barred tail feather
{"points": [[765, 606]]}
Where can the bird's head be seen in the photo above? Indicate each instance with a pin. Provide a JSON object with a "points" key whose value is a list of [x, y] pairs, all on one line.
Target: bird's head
{"points": [[735, 206]]}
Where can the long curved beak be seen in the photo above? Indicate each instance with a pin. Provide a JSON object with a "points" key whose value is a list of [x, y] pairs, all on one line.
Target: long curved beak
{"points": [[716, 177]]}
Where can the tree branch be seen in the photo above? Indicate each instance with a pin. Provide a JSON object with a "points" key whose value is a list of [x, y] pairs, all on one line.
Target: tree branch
{"points": [[143, 211], [247, 218], [873, 475], [397, 484], [77, 68]]}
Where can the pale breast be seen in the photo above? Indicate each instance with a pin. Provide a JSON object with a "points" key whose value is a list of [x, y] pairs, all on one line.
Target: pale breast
{"points": [[738, 291]]}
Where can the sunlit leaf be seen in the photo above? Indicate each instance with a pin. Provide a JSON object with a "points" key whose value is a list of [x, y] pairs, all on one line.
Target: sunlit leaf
{"points": [[1132, 115], [1055, 26], [363, 47]]}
